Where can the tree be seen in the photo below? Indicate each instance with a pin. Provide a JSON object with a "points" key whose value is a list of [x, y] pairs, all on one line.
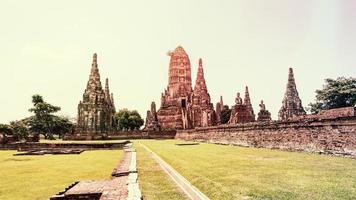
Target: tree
{"points": [[20, 130], [61, 126], [6, 129], [336, 93], [225, 114], [43, 122], [128, 120]]}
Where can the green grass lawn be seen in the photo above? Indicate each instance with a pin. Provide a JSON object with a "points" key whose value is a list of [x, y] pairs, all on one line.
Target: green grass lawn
{"points": [[39, 177], [60, 141], [154, 183], [230, 172]]}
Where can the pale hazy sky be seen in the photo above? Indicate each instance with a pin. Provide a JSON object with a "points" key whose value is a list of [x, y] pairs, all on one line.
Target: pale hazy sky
{"points": [[46, 48]]}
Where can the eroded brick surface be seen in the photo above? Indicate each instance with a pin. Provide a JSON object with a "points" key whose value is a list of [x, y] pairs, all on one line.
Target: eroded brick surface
{"points": [[181, 106], [311, 134], [96, 110], [122, 185]]}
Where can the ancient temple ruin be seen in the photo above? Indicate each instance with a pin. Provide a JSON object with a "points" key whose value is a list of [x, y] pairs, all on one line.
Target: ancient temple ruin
{"points": [[291, 105], [151, 123], [202, 110], [96, 110], [242, 111], [181, 106]]}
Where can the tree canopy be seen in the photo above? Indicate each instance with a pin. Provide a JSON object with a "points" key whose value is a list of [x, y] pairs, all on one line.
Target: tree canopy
{"points": [[6, 129], [44, 121], [128, 120], [336, 93], [20, 130]]}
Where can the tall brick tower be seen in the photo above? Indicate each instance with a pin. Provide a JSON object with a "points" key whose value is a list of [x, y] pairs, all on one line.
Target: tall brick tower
{"points": [[202, 110], [291, 105], [96, 110], [173, 113]]}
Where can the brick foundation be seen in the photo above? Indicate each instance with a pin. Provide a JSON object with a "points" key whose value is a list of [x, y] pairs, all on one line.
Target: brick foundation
{"points": [[123, 135]]}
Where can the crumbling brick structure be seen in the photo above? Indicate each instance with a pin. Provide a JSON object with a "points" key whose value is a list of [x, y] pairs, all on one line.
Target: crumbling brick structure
{"points": [[291, 105], [152, 119], [181, 106], [96, 110], [242, 111]]}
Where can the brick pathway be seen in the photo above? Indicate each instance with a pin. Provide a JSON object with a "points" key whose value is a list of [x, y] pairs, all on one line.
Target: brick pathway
{"points": [[123, 184]]}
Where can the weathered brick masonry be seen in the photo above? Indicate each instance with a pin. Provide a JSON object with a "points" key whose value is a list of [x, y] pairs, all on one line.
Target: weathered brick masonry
{"points": [[330, 132]]}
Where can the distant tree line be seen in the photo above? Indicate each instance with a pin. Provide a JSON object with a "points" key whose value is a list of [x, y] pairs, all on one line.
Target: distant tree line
{"points": [[42, 122]]}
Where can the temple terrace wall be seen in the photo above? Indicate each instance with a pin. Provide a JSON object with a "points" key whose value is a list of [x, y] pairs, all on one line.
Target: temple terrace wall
{"points": [[328, 133], [122, 135]]}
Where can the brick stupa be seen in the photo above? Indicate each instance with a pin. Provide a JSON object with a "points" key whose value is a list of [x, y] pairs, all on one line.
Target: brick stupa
{"points": [[242, 111], [96, 110], [291, 105], [202, 110]]}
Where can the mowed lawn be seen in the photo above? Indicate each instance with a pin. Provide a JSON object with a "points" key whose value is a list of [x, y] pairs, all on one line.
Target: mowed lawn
{"points": [[230, 172], [39, 177], [60, 141], [154, 183]]}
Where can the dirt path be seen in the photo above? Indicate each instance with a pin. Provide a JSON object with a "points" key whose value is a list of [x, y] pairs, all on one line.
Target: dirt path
{"points": [[190, 190]]}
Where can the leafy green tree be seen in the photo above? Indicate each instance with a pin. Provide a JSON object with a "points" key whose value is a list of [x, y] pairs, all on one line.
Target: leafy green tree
{"points": [[128, 120], [336, 93], [225, 114], [43, 122], [61, 126], [6, 129], [20, 130]]}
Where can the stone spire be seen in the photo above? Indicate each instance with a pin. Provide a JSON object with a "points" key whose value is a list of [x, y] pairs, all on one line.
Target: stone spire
{"points": [[247, 102], [203, 113], [200, 81], [221, 101], [95, 111], [291, 105], [107, 91], [94, 77], [94, 92]]}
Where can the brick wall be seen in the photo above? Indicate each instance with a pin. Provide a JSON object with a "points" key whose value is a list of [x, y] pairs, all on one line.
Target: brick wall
{"points": [[329, 135], [123, 135]]}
